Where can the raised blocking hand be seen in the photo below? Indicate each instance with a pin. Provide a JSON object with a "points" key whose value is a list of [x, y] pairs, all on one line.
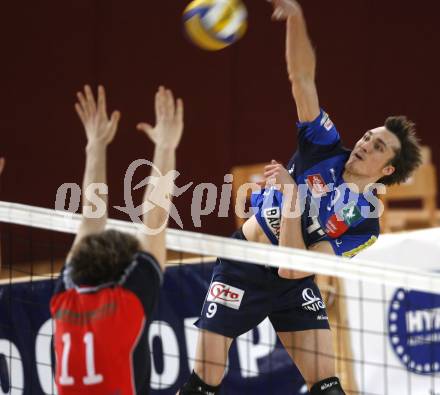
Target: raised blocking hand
{"points": [[169, 120], [99, 127]]}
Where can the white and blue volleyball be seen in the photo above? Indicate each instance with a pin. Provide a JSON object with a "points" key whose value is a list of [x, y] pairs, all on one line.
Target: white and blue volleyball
{"points": [[215, 24]]}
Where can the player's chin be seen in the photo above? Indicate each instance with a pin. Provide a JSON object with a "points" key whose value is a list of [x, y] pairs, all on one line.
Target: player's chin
{"points": [[357, 166], [351, 165]]}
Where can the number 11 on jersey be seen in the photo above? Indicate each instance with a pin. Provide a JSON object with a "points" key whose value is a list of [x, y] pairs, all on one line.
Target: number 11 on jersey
{"points": [[92, 377]]}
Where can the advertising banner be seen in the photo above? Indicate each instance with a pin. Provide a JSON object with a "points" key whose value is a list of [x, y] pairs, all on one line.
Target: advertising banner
{"points": [[257, 362]]}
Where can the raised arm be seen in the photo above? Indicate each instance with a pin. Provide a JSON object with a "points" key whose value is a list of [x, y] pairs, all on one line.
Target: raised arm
{"points": [[100, 131], [301, 59], [166, 137]]}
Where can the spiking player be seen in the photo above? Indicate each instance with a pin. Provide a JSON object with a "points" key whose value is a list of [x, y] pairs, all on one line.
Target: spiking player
{"points": [[110, 284], [335, 221]]}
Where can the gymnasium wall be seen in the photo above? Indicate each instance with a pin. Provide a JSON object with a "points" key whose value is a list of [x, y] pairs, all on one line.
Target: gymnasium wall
{"points": [[375, 58]]}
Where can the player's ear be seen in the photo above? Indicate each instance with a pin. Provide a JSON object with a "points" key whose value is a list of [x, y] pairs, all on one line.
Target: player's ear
{"points": [[388, 170]]}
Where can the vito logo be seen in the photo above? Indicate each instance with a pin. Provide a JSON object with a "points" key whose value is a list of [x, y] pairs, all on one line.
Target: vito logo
{"points": [[225, 294], [312, 303]]}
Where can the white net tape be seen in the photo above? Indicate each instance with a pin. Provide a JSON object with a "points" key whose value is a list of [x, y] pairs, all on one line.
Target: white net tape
{"points": [[374, 271]]}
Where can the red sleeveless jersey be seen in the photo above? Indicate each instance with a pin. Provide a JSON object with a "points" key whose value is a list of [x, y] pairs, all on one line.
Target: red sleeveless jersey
{"points": [[100, 341]]}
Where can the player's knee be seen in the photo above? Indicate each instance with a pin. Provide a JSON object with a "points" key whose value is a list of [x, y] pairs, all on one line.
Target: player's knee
{"points": [[196, 386], [329, 386]]}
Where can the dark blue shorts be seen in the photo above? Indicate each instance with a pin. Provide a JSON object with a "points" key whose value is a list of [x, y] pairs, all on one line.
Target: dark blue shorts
{"points": [[241, 295]]}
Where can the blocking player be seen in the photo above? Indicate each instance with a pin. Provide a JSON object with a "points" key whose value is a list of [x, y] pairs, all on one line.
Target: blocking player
{"points": [[334, 220], [110, 284]]}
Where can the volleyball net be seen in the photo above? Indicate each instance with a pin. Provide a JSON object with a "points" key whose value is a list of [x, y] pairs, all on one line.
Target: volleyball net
{"points": [[383, 306]]}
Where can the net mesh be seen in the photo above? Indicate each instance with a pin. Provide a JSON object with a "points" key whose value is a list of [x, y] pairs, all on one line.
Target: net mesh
{"points": [[384, 313]]}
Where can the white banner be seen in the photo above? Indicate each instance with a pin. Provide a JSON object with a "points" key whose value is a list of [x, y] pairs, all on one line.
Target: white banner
{"points": [[395, 332]]}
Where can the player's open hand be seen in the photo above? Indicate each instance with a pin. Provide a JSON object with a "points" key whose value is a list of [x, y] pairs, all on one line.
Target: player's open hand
{"points": [[99, 127], [284, 8], [2, 165], [169, 120]]}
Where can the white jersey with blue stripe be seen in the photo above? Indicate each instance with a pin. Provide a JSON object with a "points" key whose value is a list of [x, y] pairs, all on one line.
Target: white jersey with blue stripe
{"points": [[332, 211]]}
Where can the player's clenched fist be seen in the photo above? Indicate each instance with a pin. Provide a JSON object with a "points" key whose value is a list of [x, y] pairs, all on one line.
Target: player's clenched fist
{"points": [[276, 174]]}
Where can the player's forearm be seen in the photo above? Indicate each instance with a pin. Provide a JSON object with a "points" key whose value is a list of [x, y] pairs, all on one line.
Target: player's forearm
{"points": [[291, 233], [95, 173], [301, 59], [165, 161], [290, 227]]}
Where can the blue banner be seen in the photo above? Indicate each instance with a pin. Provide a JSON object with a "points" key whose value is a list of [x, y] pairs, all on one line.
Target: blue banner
{"points": [[258, 363]]}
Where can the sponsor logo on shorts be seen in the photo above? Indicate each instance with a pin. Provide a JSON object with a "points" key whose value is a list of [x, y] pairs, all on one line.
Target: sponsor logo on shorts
{"points": [[225, 294], [312, 302], [414, 330], [205, 392], [328, 385]]}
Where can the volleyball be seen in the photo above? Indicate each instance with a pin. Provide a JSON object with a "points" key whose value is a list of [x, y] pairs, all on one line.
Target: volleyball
{"points": [[215, 24]]}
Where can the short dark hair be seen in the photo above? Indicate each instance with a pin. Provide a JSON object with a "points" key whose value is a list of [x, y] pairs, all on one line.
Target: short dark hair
{"points": [[408, 157], [102, 257]]}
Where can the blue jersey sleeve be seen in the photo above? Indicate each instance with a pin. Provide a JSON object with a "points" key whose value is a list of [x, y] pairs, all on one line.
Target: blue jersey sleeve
{"points": [[349, 245], [318, 134]]}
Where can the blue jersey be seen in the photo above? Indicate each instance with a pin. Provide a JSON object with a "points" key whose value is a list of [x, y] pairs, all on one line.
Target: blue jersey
{"points": [[331, 210]]}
